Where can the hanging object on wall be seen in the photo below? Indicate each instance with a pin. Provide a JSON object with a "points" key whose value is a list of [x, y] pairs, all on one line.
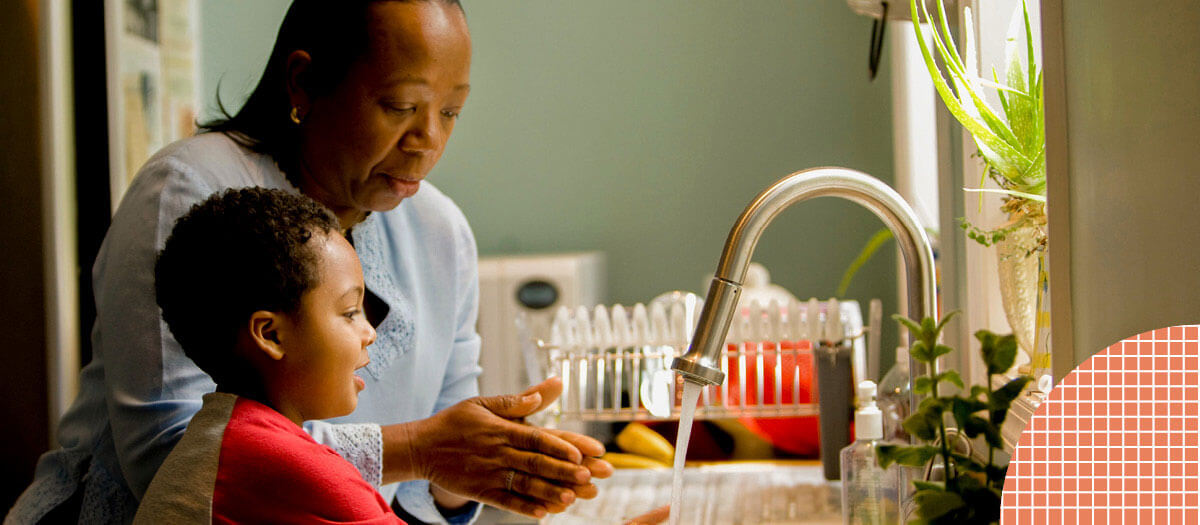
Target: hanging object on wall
{"points": [[881, 12], [152, 81], [895, 10]]}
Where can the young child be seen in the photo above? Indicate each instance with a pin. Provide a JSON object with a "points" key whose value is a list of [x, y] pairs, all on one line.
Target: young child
{"points": [[266, 296]]}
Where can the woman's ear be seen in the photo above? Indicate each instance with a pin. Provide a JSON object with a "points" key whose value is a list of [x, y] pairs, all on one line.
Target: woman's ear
{"points": [[299, 69], [266, 332]]}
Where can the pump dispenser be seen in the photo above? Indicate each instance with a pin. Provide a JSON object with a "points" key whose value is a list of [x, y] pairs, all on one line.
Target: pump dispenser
{"points": [[870, 494]]}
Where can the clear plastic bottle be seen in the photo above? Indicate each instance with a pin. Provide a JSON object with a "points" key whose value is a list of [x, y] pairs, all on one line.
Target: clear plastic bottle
{"points": [[870, 494], [894, 397]]}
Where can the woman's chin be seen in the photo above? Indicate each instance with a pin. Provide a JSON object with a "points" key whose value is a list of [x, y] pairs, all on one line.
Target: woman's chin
{"points": [[384, 201]]}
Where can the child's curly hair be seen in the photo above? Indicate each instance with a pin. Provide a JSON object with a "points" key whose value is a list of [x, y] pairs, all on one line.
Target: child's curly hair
{"points": [[238, 252]]}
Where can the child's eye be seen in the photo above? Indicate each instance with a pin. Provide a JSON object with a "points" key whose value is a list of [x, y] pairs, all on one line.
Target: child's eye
{"points": [[352, 313]]}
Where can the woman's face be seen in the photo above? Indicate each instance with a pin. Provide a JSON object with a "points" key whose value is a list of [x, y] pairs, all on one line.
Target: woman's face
{"points": [[368, 144], [325, 341]]}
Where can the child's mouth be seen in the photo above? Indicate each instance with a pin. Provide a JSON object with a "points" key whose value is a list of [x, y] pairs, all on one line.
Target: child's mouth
{"points": [[359, 383]]}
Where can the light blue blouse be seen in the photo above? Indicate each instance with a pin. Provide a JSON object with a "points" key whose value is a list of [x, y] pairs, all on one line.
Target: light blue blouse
{"points": [[139, 391]]}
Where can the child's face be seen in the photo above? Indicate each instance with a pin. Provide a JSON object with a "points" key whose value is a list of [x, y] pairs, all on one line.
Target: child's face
{"points": [[327, 337]]}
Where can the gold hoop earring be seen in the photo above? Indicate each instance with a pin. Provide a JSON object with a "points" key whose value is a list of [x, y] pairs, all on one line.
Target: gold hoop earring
{"points": [[296, 115]]}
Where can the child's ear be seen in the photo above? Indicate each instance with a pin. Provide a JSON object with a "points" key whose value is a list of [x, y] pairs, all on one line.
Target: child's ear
{"points": [[265, 328]]}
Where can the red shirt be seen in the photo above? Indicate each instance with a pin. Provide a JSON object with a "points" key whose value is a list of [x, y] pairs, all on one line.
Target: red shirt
{"points": [[242, 462]]}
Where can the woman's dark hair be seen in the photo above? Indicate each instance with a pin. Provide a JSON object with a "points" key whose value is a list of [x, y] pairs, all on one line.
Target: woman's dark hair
{"points": [[334, 33], [236, 253]]}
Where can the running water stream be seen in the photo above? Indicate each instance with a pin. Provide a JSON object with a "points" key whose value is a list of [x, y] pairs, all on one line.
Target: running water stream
{"points": [[691, 394]]}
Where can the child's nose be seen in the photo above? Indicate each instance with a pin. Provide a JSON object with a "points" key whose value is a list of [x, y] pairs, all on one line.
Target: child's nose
{"points": [[370, 335]]}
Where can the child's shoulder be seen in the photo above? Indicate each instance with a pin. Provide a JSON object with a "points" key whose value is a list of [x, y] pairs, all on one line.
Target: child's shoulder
{"points": [[262, 449], [257, 438]]}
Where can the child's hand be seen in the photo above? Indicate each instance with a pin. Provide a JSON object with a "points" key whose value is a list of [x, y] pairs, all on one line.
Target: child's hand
{"points": [[658, 515]]}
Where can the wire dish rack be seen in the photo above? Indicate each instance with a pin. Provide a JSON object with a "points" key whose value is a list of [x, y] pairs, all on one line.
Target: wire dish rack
{"points": [[615, 361]]}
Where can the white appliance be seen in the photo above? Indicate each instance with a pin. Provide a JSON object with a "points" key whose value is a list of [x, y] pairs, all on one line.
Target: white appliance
{"points": [[536, 285]]}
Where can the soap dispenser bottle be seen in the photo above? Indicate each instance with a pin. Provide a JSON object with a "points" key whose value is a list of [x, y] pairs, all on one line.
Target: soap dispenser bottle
{"points": [[870, 494]]}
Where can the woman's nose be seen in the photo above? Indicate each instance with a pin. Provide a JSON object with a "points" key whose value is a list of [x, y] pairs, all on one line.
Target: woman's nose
{"points": [[424, 136]]}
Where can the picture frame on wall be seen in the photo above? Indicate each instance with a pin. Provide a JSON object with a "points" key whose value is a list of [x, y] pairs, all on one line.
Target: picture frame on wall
{"points": [[153, 81]]}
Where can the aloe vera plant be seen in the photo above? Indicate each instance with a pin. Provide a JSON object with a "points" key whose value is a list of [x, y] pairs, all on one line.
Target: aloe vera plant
{"points": [[1011, 142]]}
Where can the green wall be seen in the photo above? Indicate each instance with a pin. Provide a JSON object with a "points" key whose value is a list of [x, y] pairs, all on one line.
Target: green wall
{"points": [[642, 129]]}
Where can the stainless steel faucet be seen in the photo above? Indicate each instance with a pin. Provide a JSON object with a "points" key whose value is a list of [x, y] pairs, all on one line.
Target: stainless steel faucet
{"points": [[701, 364]]}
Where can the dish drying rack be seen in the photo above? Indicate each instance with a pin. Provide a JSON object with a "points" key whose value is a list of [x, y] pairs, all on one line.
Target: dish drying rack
{"points": [[614, 362]]}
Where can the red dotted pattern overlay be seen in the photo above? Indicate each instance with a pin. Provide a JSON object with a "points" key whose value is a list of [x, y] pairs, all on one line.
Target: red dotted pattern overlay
{"points": [[1117, 441]]}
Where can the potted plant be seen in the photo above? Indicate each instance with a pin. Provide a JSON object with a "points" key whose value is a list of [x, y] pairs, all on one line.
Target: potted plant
{"points": [[968, 490], [1012, 144]]}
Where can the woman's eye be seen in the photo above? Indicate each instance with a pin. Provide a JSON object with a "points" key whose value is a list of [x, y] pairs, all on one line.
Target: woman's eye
{"points": [[450, 113], [352, 313], [402, 110]]}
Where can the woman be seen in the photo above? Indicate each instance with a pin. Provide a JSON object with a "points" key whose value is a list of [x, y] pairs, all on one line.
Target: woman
{"points": [[355, 107]]}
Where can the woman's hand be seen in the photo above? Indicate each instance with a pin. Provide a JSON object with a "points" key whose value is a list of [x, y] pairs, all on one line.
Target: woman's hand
{"points": [[479, 448]]}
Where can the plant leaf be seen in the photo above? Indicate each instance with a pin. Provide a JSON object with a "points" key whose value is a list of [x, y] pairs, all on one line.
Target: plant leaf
{"points": [[1002, 398], [941, 350], [934, 503], [868, 251], [1001, 153], [996, 474], [932, 403], [1030, 53], [999, 352], [922, 385], [1014, 193], [967, 463], [950, 376], [982, 501], [913, 327], [964, 410], [920, 351], [908, 456], [942, 324], [991, 434], [929, 327], [924, 423], [928, 485]]}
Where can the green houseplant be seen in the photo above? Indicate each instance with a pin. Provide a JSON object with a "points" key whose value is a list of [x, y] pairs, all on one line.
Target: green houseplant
{"points": [[1012, 144], [1011, 141], [969, 491]]}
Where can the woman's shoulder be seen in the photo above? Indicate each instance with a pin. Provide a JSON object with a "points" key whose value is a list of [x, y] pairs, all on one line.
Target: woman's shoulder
{"points": [[214, 157]]}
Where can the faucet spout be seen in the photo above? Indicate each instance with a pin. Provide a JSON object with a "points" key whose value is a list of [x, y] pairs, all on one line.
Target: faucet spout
{"points": [[701, 364]]}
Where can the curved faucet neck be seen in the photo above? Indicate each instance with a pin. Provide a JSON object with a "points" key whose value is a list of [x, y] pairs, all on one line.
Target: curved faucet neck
{"points": [[871, 193], [701, 363]]}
